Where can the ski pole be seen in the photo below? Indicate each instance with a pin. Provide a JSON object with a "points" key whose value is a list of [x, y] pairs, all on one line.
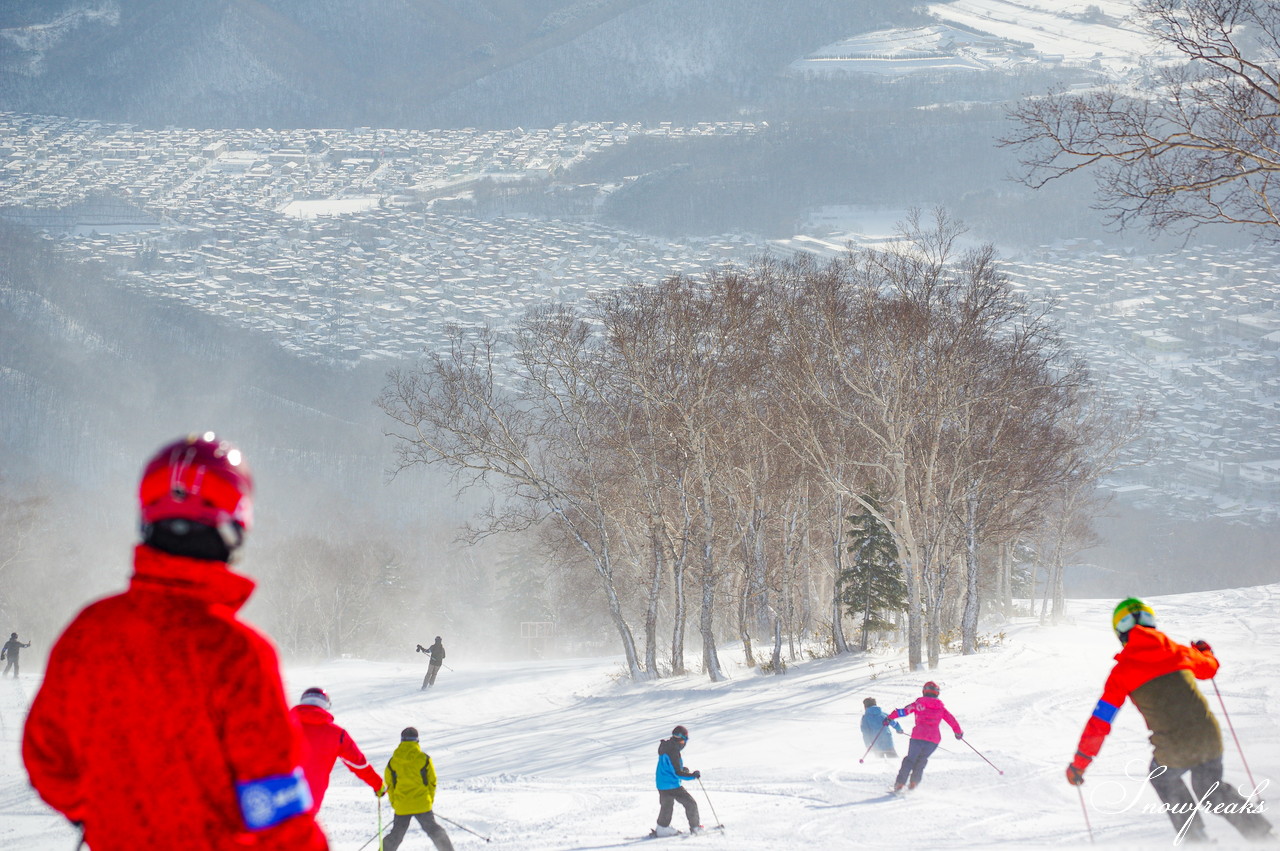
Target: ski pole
{"points": [[462, 827], [1085, 810], [984, 759], [378, 835], [873, 741], [709, 804], [1232, 728]]}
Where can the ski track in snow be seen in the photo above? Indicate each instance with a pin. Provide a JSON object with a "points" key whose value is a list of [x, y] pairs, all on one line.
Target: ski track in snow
{"points": [[559, 755]]}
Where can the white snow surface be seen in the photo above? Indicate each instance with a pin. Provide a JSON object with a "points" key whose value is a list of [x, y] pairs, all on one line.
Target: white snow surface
{"points": [[992, 35], [1051, 27], [560, 754]]}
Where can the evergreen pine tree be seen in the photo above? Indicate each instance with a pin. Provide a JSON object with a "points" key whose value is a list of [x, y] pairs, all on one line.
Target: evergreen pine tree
{"points": [[872, 584]]}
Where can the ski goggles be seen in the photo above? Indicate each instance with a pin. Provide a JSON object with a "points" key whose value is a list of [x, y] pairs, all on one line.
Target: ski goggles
{"points": [[1142, 617]]}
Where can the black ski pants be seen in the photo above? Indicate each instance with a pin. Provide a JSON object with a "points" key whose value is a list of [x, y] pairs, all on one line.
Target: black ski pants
{"points": [[11, 662], [667, 799], [1206, 780], [400, 826], [918, 753], [430, 679]]}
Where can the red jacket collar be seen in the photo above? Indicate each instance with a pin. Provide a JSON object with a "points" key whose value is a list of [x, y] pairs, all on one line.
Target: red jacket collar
{"points": [[309, 714], [1145, 643], [210, 581]]}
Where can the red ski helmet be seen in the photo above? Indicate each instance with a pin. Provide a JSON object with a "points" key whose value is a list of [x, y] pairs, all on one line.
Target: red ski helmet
{"points": [[200, 478], [931, 689]]}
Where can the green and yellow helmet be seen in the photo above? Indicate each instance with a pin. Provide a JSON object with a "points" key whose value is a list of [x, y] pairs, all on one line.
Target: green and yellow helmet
{"points": [[1130, 613]]}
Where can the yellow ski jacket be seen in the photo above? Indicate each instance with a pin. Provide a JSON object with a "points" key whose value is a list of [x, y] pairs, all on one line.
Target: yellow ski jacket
{"points": [[411, 780]]}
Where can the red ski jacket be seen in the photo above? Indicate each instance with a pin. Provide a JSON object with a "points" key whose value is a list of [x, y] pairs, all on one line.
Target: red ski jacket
{"points": [[188, 742], [324, 742]]}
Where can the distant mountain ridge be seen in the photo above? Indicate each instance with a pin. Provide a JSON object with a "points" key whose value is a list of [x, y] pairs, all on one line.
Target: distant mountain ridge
{"points": [[328, 63]]}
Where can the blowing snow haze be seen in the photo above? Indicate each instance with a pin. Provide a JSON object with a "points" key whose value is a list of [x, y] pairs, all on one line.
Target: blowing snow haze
{"points": [[241, 214]]}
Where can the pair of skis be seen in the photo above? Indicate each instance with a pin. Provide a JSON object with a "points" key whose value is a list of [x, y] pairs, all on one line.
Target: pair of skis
{"points": [[680, 834]]}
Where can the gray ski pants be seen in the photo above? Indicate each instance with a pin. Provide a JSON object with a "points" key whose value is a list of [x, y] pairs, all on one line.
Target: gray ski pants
{"points": [[400, 826], [1206, 780], [667, 801]]}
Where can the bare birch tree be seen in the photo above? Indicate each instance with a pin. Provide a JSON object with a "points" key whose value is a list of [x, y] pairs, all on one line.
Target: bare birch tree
{"points": [[1197, 143], [538, 442]]}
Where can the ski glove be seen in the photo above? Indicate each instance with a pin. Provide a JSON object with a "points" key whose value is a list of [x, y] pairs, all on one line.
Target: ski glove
{"points": [[1202, 646], [697, 775], [1075, 771], [959, 735]]}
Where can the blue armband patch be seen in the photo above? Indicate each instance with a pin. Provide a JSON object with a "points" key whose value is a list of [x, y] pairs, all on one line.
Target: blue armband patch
{"points": [[1105, 711], [270, 800]]}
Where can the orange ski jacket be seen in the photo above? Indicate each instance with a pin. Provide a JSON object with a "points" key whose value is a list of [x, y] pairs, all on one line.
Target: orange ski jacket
{"points": [[1158, 675]]}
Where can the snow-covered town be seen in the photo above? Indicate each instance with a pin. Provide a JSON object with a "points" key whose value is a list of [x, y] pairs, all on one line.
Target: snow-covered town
{"points": [[341, 244], [362, 244]]}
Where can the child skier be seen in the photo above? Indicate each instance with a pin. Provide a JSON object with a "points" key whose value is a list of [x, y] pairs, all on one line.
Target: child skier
{"points": [[670, 773], [1159, 675], [925, 736], [411, 782], [874, 732]]}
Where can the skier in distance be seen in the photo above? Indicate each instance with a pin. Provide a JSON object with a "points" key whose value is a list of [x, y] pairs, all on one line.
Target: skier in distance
{"points": [[436, 652], [10, 652]]}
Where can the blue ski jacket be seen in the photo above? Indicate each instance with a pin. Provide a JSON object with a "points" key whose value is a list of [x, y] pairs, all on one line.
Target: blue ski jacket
{"points": [[671, 768], [872, 724]]}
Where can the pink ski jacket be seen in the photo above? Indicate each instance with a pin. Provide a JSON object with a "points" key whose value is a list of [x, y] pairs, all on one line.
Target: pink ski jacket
{"points": [[930, 713]]}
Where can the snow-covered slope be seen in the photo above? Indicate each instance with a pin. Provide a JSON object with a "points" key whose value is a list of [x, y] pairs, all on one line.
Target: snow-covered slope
{"points": [[560, 754], [993, 35]]}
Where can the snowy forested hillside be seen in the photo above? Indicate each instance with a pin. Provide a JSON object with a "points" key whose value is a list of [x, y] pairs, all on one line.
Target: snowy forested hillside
{"points": [[93, 378], [559, 754], [401, 64]]}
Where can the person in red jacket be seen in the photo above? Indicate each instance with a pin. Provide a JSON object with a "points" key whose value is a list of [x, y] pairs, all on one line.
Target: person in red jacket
{"points": [[1159, 676], [191, 744], [324, 743], [925, 736]]}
